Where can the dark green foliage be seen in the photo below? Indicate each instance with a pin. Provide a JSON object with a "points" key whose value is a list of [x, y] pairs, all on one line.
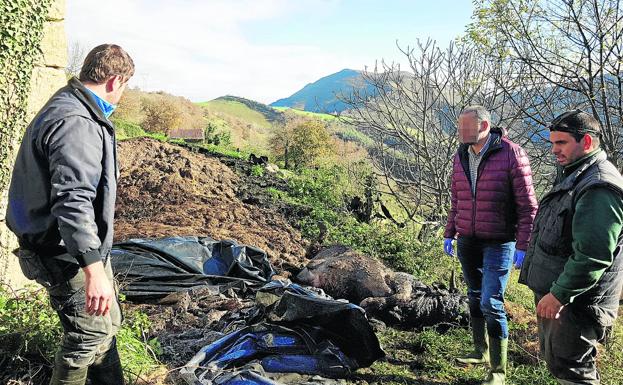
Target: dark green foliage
{"points": [[212, 135], [325, 191], [21, 32]]}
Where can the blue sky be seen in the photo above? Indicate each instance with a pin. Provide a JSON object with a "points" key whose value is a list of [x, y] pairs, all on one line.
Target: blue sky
{"points": [[260, 49]]}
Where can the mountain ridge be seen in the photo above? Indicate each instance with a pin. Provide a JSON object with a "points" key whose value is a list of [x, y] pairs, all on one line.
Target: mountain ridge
{"points": [[327, 93]]}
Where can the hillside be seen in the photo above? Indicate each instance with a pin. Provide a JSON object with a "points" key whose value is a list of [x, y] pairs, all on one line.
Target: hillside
{"points": [[324, 94], [248, 122]]}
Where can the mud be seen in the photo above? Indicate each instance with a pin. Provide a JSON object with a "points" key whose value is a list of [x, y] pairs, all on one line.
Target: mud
{"points": [[167, 190]]}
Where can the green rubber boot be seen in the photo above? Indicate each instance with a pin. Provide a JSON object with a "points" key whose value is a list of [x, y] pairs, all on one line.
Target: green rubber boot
{"points": [[498, 349], [480, 354]]}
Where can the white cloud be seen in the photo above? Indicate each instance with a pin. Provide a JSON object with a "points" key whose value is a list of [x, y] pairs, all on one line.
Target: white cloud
{"points": [[197, 49]]}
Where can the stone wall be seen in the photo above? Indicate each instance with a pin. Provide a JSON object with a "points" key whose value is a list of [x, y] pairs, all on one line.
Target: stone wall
{"points": [[47, 76]]}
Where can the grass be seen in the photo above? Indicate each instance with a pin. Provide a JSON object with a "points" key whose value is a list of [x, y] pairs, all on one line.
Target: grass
{"points": [[249, 129], [28, 313], [348, 133], [427, 357], [237, 109], [309, 114]]}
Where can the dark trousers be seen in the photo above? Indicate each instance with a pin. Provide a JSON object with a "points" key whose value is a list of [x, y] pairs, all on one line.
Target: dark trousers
{"points": [[569, 345], [486, 268], [88, 348]]}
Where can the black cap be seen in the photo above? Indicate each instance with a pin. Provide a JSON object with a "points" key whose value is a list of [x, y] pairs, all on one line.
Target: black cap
{"points": [[575, 122]]}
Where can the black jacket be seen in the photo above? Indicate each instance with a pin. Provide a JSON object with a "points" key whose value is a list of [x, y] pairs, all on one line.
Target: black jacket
{"points": [[551, 244], [64, 184]]}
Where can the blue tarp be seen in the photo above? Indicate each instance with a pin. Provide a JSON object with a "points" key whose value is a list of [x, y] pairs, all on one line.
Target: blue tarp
{"points": [[301, 332], [295, 329]]}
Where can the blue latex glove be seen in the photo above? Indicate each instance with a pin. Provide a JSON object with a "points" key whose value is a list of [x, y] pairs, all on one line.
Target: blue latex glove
{"points": [[518, 258], [447, 246]]}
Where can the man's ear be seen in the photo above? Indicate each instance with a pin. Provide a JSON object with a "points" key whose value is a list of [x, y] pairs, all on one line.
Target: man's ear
{"points": [[113, 82], [588, 142], [484, 126]]}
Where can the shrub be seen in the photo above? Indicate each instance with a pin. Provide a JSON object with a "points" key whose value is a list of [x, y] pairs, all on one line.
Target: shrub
{"points": [[257, 170], [161, 115], [325, 190], [125, 129]]}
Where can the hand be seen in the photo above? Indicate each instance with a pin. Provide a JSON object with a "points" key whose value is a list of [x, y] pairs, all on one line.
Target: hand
{"points": [[518, 258], [549, 307], [447, 246], [98, 289]]}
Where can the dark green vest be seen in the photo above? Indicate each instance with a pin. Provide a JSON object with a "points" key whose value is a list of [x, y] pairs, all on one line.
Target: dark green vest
{"points": [[550, 244]]}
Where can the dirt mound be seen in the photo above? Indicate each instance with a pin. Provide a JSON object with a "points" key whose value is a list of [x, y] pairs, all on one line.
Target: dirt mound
{"points": [[167, 190]]}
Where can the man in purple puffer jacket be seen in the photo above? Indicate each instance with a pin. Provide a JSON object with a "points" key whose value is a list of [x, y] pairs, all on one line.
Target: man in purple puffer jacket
{"points": [[493, 205]]}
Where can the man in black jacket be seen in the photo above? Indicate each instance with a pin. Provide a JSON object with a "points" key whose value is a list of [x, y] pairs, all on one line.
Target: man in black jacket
{"points": [[574, 263], [61, 207]]}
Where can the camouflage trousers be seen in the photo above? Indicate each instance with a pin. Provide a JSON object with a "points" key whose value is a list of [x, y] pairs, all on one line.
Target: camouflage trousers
{"points": [[88, 349]]}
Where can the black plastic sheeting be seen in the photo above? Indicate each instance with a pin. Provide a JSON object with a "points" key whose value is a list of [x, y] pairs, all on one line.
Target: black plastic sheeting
{"points": [[154, 268], [294, 329]]}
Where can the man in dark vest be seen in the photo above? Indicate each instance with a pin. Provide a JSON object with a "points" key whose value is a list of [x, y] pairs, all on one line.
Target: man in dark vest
{"points": [[61, 207], [573, 264], [493, 206]]}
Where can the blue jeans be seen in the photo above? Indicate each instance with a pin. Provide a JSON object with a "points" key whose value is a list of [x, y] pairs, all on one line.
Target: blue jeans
{"points": [[486, 267]]}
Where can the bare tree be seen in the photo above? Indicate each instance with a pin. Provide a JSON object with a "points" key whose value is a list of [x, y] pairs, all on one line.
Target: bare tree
{"points": [[412, 115], [572, 53], [75, 57]]}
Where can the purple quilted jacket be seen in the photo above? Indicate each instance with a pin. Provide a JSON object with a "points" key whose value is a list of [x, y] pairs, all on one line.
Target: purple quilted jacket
{"points": [[504, 205]]}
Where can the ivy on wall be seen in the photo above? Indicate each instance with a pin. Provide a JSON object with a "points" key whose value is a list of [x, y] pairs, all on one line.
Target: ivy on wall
{"points": [[21, 31]]}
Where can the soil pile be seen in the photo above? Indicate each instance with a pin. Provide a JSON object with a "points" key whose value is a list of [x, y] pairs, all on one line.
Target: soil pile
{"points": [[165, 190]]}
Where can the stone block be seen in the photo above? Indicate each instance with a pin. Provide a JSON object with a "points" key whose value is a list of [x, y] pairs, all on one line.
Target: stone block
{"points": [[54, 45], [57, 10], [44, 82]]}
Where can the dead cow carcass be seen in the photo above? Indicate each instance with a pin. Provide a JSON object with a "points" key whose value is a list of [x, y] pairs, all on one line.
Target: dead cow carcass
{"points": [[393, 297]]}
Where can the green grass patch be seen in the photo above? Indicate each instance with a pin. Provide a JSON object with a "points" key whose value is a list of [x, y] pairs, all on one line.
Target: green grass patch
{"points": [[257, 170], [28, 313], [309, 114], [223, 150], [127, 130], [416, 357], [137, 352], [350, 134], [236, 109]]}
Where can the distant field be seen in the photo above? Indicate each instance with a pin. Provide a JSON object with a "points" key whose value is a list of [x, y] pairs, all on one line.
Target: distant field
{"points": [[236, 109], [250, 130], [317, 115]]}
